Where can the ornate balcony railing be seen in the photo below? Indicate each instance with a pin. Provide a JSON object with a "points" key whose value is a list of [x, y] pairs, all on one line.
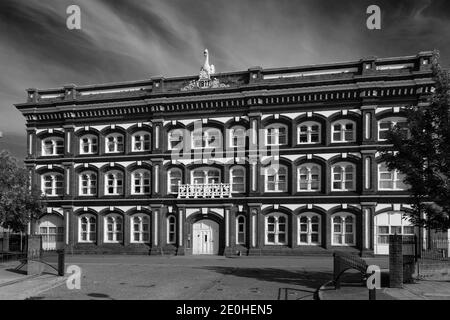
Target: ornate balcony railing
{"points": [[209, 190]]}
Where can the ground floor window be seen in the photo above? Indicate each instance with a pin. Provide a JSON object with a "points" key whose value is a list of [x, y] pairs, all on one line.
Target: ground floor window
{"points": [[343, 229], [140, 229], [171, 229], [240, 230], [113, 228], [309, 229], [88, 228], [276, 229]]}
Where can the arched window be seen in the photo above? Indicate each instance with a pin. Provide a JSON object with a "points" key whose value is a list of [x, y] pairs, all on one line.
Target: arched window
{"points": [[387, 124], [174, 176], [88, 144], [205, 176], [52, 146], [87, 184], [309, 229], [276, 135], [113, 228], [87, 228], [240, 230], [52, 184], [113, 183], [140, 182], [390, 180], [171, 229], [343, 229], [308, 176], [308, 133], [276, 229], [343, 131], [276, 179], [237, 137], [140, 228], [237, 179], [343, 177], [175, 139], [141, 141], [206, 138], [114, 143]]}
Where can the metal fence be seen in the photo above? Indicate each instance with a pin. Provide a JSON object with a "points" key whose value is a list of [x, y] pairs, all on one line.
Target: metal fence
{"points": [[436, 249], [13, 246]]}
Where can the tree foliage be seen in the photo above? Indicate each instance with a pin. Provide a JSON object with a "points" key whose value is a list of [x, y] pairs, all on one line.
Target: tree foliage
{"points": [[19, 201], [424, 154]]}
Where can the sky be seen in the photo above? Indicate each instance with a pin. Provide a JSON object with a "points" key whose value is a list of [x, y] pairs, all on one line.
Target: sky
{"points": [[138, 39]]}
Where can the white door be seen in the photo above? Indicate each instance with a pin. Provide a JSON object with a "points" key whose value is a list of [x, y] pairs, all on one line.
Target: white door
{"points": [[52, 231], [205, 237], [386, 224]]}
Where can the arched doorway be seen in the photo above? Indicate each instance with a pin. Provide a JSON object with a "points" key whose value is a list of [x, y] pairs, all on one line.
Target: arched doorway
{"points": [[51, 228], [205, 237]]}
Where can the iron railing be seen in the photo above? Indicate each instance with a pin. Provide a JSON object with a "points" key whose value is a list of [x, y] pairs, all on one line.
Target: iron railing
{"points": [[208, 190]]}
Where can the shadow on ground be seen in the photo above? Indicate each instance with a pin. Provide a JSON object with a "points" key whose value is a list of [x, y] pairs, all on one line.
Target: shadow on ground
{"points": [[309, 281]]}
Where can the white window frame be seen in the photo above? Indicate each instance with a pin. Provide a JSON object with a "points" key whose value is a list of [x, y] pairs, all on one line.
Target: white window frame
{"points": [[343, 130], [206, 134], [309, 232], [343, 232], [92, 177], [116, 143], [309, 132], [276, 135], [170, 178], [343, 180], [54, 188], [57, 143], [277, 179], [309, 181], [207, 177], [396, 178], [180, 141], [393, 121], [88, 232], [172, 222], [145, 138], [233, 177], [116, 174], [90, 144], [276, 231], [142, 173], [244, 232], [241, 139], [114, 231], [141, 232]]}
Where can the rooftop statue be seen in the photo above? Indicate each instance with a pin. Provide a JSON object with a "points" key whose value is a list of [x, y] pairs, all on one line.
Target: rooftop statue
{"points": [[205, 81]]}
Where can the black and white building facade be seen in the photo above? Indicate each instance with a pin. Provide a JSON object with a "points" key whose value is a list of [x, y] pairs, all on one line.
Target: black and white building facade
{"points": [[263, 161]]}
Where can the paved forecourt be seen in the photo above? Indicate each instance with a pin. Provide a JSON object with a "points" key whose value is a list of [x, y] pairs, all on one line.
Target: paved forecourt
{"points": [[195, 277]]}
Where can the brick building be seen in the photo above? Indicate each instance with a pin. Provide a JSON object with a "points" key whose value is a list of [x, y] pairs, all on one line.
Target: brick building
{"points": [[262, 161]]}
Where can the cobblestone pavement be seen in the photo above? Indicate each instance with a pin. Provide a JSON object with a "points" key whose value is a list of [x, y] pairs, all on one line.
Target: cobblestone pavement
{"points": [[199, 277]]}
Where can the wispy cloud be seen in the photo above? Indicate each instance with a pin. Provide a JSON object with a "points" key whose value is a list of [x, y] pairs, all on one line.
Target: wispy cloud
{"points": [[128, 40]]}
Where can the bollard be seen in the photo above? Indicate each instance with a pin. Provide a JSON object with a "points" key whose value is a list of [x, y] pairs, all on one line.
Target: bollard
{"points": [[61, 262], [373, 294]]}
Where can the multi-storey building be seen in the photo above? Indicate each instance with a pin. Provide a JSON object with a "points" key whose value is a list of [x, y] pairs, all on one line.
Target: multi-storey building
{"points": [[263, 161]]}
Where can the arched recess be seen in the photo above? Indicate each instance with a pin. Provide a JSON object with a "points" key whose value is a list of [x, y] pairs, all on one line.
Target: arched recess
{"points": [[198, 217]]}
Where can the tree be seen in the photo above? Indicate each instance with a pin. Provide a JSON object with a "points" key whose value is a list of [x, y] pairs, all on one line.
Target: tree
{"points": [[423, 155], [19, 201]]}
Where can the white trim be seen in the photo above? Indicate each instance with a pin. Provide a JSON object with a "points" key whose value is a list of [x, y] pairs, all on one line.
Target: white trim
{"points": [[237, 229], [145, 136], [115, 232], [309, 167], [276, 232], [343, 130], [309, 232], [309, 132], [343, 179], [141, 217], [276, 135], [276, 181], [343, 228]]}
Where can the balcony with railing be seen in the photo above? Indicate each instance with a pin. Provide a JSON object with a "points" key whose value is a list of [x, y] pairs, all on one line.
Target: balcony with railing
{"points": [[207, 190]]}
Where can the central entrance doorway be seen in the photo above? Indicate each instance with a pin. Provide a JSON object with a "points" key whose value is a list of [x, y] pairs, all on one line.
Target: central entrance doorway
{"points": [[205, 237]]}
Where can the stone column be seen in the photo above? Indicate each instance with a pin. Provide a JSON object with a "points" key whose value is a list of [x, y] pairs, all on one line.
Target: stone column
{"points": [[69, 138], [256, 234], [181, 220], [31, 142], [367, 232], [369, 172]]}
